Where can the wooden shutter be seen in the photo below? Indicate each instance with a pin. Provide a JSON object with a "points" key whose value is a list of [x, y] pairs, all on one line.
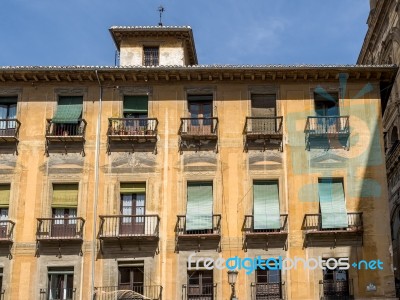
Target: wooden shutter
{"points": [[133, 188], [4, 195], [136, 104]]}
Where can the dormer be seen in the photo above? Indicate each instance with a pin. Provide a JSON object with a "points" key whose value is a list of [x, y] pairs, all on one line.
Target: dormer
{"points": [[154, 45]]}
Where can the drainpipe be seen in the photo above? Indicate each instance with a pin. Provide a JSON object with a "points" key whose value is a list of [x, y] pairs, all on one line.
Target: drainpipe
{"points": [[96, 184]]}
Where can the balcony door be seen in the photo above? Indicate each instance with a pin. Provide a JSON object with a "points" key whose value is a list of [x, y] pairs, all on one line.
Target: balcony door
{"points": [[336, 284], [3, 223], [64, 222], [200, 285], [132, 211], [61, 283], [8, 110], [200, 108], [268, 284], [263, 110], [131, 279]]}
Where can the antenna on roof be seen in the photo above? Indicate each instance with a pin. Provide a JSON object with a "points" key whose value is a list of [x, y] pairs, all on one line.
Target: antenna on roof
{"points": [[160, 10]]}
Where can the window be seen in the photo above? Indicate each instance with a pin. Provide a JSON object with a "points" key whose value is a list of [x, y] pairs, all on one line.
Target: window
{"points": [[68, 114], [332, 203], [133, 206], [64, 210], [4, 203], [200, 284], [135, 106], [266, 205], [199, 210], [131, 278], [263, 105], [326, 104], [8, 110], [151, 56], [61, 283], [335, 281], [200, 110], [268, 283]]}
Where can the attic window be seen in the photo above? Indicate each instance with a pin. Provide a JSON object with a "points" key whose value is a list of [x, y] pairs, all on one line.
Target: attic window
{"points": [[151, 55]]}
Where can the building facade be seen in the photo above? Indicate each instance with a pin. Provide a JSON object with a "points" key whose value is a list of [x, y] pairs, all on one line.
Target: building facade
{"points": [[135, 181], [382, 46]]}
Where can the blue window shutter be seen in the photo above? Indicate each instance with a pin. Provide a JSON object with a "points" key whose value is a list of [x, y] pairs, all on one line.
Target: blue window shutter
{"points": [[332, 203]]}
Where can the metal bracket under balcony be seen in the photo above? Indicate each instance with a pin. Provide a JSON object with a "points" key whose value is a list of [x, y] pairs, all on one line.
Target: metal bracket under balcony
{"points": [[9, 132], [263, 132], [199, 291], [64, 137], [132, 134], [150, 292], [327, 132], [6, 235], [261, 291], [264, 238], [317, 236], [198, 133], [142, 230], [205, 237], [59, 231]]}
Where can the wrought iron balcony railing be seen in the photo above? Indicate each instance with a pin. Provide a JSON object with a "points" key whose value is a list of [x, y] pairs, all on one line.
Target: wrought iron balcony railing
{"points": [[327, 126], [129, 226], [58, 294], [66, 132], [9, 130], [248, 226], [336, 289], [130, 128], [140, 292], [313, 223], [6, 231], [199, 291], [213, 230], [60, 229], [260, 127], [267, 291], [206, 128]]}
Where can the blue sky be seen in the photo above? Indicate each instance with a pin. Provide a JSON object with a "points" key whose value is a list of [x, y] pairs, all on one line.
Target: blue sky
{"points": [[75, 32]]}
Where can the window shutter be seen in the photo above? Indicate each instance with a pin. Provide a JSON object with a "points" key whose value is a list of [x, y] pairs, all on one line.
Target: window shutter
{"points": [[132, 188], [263, 105], [332, 203], [4, 195], [266, 205], [69, 110], [65, 196], [199, 206], [200, 98], [135, 104]]}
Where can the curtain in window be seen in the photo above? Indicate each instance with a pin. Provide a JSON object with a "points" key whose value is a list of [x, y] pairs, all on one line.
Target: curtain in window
{"points": [[332, 203], [266, 205], [127, 207], [199, 206]]}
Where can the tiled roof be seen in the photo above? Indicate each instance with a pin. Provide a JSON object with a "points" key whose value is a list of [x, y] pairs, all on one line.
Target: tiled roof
{"points": [[150, 27]]}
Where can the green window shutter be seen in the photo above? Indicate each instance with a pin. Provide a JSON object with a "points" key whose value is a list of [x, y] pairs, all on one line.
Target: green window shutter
{"points": [[4, 195], [332, 203], [133, 188], [266, 205], [69, 110], [199, 208], [65, 196], [136, 104]]}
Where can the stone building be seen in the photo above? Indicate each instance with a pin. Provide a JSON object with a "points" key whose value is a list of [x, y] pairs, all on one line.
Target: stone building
{"points": [[135, 181], [382, 46]]}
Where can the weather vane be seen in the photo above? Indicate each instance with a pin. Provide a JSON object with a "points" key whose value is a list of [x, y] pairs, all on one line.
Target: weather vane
{"points": [[160, 10]]}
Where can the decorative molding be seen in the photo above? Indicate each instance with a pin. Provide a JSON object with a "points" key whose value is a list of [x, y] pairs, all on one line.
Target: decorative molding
{"points": [[135, 90], [11, 92], [263, 89], [200, 90], [70, 91]]}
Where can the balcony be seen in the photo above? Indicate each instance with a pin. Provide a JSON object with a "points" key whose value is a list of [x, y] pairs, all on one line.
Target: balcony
{"points": [[336, 289], [199, 292], [315, 235], [131, 134], [126, 229], [153, 292], [6, 231], [208, 238], [264, 238], [65, 137], [67, 231], [266, 291], [9, 132], [58, 293], [198, 133], [263, 132], [327, 132]]}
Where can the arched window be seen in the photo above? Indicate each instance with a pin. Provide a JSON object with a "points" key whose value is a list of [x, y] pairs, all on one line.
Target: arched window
{"points": [[394, 136]]}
